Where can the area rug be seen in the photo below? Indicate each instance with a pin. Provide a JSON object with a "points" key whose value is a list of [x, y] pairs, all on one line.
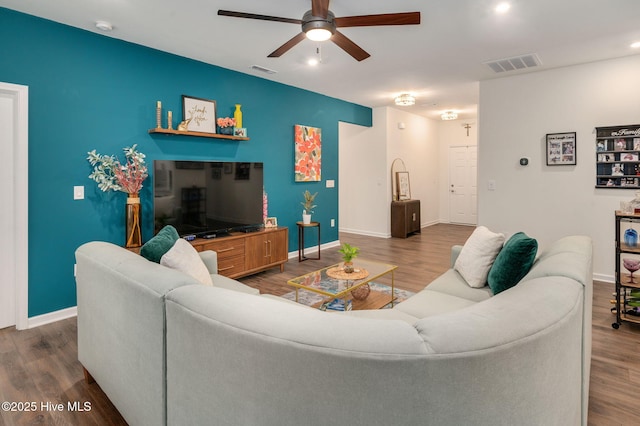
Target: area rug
{"points": [[310, 298]]}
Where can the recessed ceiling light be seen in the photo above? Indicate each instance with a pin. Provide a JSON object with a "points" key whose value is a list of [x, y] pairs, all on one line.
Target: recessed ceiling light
{"points": [[313, 62], [503, 7], [104, 25], [635, 45]]}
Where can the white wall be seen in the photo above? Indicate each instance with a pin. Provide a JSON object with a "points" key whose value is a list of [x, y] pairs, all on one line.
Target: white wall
{"points": [[365, 157], [417, 146], [362, 178], [450, 134], [548, 202]]}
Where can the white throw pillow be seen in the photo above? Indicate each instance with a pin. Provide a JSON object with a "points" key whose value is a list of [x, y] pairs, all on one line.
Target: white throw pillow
{"points": [[183, 257], [477, 256]]}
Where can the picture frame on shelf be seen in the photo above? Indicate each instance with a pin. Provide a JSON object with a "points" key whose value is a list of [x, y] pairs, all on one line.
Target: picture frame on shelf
{"points": [[561, 149], [201, 114], [403, 186], [271, 222], [619, 144], [240, 132]]}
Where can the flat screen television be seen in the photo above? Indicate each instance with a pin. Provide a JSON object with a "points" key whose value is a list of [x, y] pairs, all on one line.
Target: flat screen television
{"points": [[207, 198]]}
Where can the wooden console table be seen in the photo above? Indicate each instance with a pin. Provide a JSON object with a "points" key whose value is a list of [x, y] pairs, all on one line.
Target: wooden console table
{"points": [[241, 254], [405, 218]]}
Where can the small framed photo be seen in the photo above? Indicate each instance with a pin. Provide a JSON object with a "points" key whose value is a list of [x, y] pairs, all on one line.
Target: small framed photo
{"points": [[271, 222], [240, 131], [201, 114], [402, 185], [561, 149]]}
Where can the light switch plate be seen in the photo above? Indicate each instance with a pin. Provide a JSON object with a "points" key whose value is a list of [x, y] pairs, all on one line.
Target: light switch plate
{"points": [[78, 192], [331, 183]]}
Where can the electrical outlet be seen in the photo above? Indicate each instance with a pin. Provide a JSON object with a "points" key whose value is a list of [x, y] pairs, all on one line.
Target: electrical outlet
{"points": [[333, 223]]}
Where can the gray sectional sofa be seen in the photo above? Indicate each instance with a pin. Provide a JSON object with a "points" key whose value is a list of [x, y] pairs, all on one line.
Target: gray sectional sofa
{"points": [[168, 350]]}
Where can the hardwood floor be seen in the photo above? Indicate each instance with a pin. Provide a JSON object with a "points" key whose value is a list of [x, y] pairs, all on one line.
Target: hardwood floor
{"points": [[40, 365]]}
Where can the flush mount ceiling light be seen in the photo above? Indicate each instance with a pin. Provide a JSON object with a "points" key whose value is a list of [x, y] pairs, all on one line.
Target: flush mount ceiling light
{"points": [[635, 45], [449, 115], [317, 28], [405, 100], [503, 7], [104, 26]]}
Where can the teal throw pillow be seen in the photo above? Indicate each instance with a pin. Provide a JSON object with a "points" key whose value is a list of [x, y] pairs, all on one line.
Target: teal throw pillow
{"points": [[513, 262], [157, 246]]}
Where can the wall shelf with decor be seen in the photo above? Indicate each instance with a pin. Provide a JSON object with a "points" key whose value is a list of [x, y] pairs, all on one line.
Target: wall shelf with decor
{"points": [[197, 134], [618, 157]]}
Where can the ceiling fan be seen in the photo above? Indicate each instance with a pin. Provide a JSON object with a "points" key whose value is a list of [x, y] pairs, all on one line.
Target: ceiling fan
{"points": [[320, 24]]}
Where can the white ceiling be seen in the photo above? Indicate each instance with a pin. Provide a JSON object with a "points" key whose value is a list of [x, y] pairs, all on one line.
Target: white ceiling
{"points": [[440, 61]]}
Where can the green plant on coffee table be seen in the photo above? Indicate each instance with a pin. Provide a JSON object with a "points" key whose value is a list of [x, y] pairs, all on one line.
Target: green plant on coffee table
{"points": [[349, 253], [308, 201]]}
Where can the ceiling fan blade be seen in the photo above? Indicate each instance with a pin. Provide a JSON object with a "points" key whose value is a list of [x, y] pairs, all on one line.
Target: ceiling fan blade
{"points": [[350, 47], [408, 18], [288, 45], [260, 17], [320, 8]]}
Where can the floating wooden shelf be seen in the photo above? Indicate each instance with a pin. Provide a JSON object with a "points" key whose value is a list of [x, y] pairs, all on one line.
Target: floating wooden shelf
{"points": [[197, 134]]}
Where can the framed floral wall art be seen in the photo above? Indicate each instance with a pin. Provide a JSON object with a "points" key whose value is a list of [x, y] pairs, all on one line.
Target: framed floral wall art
{"points": [[308, 153]]}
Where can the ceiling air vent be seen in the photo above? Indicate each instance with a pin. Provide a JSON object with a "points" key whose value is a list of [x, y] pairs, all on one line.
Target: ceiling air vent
{"points": [[515, 63], [263, 69]]}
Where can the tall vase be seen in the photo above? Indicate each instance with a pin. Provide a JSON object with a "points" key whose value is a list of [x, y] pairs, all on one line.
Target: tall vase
{"points": [[132, 218], [237, 116]]}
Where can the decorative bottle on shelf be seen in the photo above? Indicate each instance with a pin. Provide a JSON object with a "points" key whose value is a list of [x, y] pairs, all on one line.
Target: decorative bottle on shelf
{"points": [[237, 115], [132, 218]]}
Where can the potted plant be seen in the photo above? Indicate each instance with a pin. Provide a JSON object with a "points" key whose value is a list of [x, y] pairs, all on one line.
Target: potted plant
{"points": [[112, 175], [308, 206], [349, 253], [226, 125]]}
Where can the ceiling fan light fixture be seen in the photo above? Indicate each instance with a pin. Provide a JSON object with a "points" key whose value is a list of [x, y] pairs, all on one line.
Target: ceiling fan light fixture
{"points": [[318, 28], [319, 34], [405, 100], [449, 115]]}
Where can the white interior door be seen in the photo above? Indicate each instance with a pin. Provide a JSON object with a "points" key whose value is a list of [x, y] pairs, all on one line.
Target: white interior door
{"points": [[463, 188], [14, 208], [7, 262]]}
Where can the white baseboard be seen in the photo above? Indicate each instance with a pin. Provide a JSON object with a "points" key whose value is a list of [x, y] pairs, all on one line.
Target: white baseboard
{"points": [[39, 320], [603, 277], [314, 249], [365, 233]]}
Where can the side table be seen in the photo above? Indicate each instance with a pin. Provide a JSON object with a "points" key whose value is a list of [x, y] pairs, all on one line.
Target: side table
{"points": [[301, 229]]}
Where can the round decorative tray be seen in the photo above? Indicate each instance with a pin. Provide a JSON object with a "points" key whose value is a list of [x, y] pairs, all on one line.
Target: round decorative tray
{"points": [[339, 274]]}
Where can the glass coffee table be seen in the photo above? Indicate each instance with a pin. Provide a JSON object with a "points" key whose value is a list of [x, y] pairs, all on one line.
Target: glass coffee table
{"points": [[332, 282]]}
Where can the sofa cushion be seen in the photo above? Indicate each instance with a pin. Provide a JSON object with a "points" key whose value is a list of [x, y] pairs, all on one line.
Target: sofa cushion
{"points": [[513, 262], [381, 314], [452, 283], [428, 303], [477, 256], [231, 284], [183, 257], [161, 243]]}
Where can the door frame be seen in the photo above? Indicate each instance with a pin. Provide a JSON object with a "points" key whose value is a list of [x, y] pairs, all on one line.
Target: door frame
{"points": [[19, 240]]}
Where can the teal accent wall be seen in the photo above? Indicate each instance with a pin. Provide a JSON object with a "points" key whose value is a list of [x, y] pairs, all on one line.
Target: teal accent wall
{"points": [[88, 91]]}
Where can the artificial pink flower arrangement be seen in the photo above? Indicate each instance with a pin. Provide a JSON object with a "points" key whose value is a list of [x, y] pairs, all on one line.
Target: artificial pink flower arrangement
{"points": [[226, 122], [111, 175]]}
